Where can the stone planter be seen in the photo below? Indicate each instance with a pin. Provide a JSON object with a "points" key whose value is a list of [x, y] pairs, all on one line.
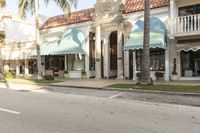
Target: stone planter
{"points": [[174, 77], [66, 75], [160, 78]]}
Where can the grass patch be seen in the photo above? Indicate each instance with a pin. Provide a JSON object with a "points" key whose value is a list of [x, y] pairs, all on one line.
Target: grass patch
{"points": [[169, 88], [46, 81]]}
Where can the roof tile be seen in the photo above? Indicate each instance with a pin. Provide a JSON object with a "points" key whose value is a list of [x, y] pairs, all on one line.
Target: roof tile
{"points": [[86, 15]]}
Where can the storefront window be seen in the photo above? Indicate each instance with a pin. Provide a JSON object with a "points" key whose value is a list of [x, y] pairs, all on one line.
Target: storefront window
{"points": [[157, 59], [113, 51], [76, 62], [92, 52], [54, 63], [32, 66], [190, 63]]}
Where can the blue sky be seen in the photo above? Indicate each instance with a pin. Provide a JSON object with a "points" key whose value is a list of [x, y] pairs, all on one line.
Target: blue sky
{"points": [[52, 9]]}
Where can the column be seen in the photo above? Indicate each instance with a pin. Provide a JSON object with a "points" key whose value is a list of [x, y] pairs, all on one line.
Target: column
{"points": [[167, 71], [106, 56], [120, 71], [66, 62], [43, 65], [126, 64], [17, 67], [87, 60], [26, 68], [98, 51], [172, 17], [134, 65]]}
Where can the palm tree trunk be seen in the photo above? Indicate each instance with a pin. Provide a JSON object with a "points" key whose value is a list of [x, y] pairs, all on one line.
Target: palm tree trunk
{"points": [[145, 73], [37, 37]]}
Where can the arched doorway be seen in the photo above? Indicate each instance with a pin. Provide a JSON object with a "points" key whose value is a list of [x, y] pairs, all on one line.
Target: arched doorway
{"points": [[113, 53]]}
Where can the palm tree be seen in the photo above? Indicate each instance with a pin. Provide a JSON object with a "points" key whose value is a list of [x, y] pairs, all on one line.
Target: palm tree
{"points": [[145, 73], [33, 6], [2, 3]]}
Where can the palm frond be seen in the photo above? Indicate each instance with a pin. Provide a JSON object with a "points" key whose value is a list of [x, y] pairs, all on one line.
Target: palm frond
{"points": [[2, 3]]}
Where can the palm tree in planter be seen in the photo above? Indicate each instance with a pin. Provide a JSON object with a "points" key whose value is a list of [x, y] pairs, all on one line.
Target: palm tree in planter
{"points": [[174, 73], [33, 6], [145, 72]]}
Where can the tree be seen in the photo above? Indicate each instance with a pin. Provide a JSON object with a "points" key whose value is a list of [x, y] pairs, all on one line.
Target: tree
{"points": [[2, 33], [2, 3], [145, 73], [33, 6]]}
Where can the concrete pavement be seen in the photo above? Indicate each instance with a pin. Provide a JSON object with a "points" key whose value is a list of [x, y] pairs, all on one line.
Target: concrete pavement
{"points": [[101, 83], [190, 100], [71, 113]]}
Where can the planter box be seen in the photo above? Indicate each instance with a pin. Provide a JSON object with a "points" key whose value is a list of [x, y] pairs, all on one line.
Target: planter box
{"points": [[66, 76], [174, 77], [159, 78]]}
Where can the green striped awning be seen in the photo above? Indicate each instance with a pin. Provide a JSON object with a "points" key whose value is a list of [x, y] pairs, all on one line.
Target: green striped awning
{"points": [[157, 35], [73, 42], [46, 48]]}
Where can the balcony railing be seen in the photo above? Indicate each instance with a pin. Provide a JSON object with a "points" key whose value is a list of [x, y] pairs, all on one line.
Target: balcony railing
{"points": [[188, 24]]}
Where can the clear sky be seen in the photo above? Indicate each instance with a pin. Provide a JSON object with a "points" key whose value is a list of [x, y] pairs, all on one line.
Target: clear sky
{"points": [[52, 9]]}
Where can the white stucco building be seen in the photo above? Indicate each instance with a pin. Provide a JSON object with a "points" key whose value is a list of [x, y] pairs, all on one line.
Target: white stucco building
{"points": [[106, 41]]}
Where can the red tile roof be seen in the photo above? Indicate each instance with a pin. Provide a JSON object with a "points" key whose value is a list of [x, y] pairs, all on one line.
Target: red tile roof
{"points": [[138, 5], [75, 17], [86, 15]]}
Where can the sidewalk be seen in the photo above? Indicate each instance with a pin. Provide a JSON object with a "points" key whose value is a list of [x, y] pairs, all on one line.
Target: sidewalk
{"points": [[102, 83]]}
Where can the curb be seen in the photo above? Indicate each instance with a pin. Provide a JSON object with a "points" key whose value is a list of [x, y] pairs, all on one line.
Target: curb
{"points": [[119, 90], [133, 90]]}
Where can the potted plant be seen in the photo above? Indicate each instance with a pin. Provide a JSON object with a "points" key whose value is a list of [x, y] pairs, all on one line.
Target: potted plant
{"points": [[159, 76], [66, 74], [174, 73], [83, 74], [138, 75]]}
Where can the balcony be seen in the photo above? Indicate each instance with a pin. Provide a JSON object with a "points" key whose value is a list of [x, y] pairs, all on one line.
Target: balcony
{"points": [[188, 25]]}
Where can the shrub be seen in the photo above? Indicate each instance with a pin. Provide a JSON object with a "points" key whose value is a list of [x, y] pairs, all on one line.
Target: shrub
{"points": [[10, 75], [66, 72], [138, 74], [159, 74], [48, 77], [174, 68], [83, 74]]}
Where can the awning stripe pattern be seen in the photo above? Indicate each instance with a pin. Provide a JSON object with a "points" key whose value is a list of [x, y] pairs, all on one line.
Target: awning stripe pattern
{"points": [[73, 42], [157, 35]]}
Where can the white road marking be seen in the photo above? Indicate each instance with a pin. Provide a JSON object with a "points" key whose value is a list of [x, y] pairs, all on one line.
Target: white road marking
{"points": [[116, 95], [10, 111]]}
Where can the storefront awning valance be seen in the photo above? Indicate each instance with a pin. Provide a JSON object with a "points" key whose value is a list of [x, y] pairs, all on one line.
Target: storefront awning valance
{"points": [[73, 42], [157, 35], [188, 46]]}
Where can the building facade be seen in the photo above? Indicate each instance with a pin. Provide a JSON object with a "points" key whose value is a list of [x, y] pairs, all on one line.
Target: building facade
{"points": [[17, 46], [184, 38], [108, 48], [106, 41]]}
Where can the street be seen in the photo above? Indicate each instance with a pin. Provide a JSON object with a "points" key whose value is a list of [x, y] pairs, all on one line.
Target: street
{"points": [[50, 112]]}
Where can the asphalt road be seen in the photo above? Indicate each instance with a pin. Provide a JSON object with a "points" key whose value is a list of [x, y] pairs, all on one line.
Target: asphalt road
{"points": [[48, 112]]}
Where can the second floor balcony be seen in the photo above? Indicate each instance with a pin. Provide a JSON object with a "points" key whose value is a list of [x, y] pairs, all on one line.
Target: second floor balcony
{"points": [[188, 25]]}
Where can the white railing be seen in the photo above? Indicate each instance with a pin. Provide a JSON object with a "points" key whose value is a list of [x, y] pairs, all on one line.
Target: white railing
{"points": [[189, 23]]}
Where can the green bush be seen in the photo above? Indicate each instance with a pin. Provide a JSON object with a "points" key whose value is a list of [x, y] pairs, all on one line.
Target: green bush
{"points": [[66, 72], [10, 75], [138, 74], [48, 77]]}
